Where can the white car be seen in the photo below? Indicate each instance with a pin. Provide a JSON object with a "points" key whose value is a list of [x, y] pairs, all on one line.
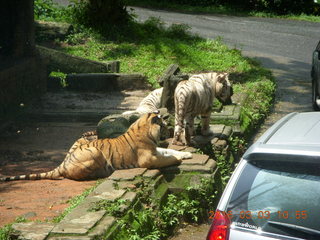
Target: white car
{"points": [[274, 192], [315, 77]]}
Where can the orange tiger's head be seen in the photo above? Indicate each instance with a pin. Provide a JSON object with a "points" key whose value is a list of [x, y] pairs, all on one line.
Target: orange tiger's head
{"points": [[150, 124]]}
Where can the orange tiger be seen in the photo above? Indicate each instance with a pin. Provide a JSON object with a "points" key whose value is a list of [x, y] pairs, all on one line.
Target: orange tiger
{"points": [[92, 158]]}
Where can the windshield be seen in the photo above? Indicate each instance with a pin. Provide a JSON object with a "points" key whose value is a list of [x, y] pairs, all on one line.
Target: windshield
{"points": [[274, 192]]}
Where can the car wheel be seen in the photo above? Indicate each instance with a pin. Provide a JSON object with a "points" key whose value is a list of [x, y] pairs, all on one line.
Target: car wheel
{"points": [[315, 96]]}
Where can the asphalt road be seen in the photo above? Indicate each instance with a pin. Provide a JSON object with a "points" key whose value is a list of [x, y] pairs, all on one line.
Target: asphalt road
{"points": [[263, 36], [284, 46]]}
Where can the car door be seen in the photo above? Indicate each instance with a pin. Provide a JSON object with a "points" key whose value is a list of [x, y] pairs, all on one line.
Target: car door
{"points": [[316, 66]]}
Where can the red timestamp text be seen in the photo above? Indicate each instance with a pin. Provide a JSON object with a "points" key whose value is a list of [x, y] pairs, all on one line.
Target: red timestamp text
{"points": [[265, 214]]}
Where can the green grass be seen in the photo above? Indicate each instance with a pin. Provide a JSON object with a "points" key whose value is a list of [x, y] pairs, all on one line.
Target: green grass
{"points": [[75, 201], [219, 9], [6, 230], [151, 48]]}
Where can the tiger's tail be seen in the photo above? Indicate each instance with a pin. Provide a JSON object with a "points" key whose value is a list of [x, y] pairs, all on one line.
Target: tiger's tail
{"points": [[53, 175]]}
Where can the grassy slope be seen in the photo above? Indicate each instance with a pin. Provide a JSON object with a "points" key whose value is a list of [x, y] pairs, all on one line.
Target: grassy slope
{"points": [[149, 48]]}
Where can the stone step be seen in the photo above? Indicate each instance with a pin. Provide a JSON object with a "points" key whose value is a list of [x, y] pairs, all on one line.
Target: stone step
{"points": [[98, 82], [66, 63]]}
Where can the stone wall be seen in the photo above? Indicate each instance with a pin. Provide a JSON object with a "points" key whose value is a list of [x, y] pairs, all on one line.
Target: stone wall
{"points": [[127, 186], [22, 80], [22, 72]]}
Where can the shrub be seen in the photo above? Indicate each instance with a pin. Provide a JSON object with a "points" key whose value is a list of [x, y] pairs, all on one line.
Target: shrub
{"points": [[99, 14]]}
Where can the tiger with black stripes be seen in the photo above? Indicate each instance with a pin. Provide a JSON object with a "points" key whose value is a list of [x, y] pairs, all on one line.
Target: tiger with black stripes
{"points": [[195, 97], [92, 158], [150, 103]]}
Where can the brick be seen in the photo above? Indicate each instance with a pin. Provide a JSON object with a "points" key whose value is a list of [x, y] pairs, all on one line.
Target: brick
{"points": [[103, 226], [107, 191], [227, 131], [79, 225], [127, 174], [153, 173], [197, 159], [32, 230], [70, 238]]}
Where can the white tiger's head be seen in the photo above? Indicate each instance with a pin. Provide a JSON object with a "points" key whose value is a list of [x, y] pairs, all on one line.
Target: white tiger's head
{"points": [[224, 89]]}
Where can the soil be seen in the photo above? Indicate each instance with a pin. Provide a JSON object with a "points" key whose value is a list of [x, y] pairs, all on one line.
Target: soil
{"points": [[39, 144]]}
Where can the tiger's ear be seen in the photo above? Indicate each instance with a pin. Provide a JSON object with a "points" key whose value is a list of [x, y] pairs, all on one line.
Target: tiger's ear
{"points": [[156, 119], [222, 77], [156, 112]]}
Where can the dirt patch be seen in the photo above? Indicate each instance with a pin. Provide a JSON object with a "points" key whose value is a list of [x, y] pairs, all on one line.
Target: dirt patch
{"points": [[35, 148], [39, 145]]}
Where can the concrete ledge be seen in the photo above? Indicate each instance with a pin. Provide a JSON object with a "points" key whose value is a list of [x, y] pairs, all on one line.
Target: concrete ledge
{"points": [[66, 63], [126, 188]]}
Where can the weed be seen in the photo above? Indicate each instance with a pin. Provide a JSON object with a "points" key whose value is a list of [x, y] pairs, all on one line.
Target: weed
{"points": [[6, 230], [62, 76], [113, 208], [75, 201]]}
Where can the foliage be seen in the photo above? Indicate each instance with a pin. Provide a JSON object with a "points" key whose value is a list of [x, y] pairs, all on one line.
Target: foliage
{"points": [[75, 201], [6, 230], [148, 222], [50, 11], [102, 15], [244, 8], [277, 6], [114, 208], [62, 76], [150, 47]]}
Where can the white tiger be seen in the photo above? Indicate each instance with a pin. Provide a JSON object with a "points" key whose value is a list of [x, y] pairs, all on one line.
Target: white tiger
{"points": [[194, 97], [149, 104]]}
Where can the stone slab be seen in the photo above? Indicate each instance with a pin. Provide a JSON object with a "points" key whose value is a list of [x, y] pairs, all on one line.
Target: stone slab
{"points": [[217, 129], [70, 238], [103, 226], [207, 168], [32, 230], [227, 131], [79, 225], [152, 173], [127, 174], [197, 159], [107, 191]]}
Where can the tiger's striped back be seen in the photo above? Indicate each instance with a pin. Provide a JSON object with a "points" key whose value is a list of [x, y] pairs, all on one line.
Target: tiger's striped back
{"points": [[149, 104], [194, 97]]}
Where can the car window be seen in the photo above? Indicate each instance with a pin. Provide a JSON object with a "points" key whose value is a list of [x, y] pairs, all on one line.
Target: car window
{"points": [[269, 195], [318, 46]]}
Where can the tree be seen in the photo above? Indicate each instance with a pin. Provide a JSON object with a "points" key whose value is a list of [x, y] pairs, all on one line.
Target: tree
{"points": [[100, 13]]}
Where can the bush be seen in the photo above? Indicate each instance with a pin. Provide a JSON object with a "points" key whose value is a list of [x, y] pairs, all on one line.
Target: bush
{"points": [[277, 6], [273, 6], [48, 10], [99, 14]]}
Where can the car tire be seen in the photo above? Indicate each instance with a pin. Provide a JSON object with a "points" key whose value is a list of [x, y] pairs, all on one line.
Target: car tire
{"points": [[315, 96]]}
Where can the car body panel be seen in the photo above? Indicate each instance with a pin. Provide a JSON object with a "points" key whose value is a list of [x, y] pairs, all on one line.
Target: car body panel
{"points": [[294, 138], [245, 234], [315, 77]]}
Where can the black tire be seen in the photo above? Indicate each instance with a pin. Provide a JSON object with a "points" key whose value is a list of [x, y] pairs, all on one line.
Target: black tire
{"points": [[315, 96]]}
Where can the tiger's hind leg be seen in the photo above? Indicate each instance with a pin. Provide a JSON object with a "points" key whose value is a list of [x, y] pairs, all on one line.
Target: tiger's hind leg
{"points": [[205, 124], [179, 136], [84, 163], [189, 131], [179, 130]]}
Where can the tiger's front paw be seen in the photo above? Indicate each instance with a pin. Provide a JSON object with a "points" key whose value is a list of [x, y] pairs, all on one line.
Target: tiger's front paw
{"points": [[178, 143]]}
